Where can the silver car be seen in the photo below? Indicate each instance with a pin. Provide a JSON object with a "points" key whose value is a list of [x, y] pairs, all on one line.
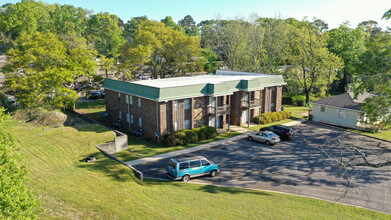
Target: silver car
{"points": [[266, 137]]}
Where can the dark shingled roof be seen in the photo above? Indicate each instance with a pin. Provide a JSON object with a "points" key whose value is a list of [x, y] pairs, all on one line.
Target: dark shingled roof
{"points": [[345, 100]]}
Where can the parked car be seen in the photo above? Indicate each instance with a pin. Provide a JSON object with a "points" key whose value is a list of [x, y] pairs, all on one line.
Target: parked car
{"points": [[97, 94], [266, 137], [283, 131], [186, 168]]}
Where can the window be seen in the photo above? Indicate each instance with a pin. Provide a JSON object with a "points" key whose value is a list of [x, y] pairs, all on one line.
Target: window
{"points": [[172, 164], [204, 163], [187, 124], [139, 102], [341, 113], [187, 104], [120, 115], [176, 105], [130, 100], [184, 165], [131, 119], [127, 118], [264, 135], [194, 164], [119, 97], [176, 126], [127, 99], [140, 122], [322, 108]]}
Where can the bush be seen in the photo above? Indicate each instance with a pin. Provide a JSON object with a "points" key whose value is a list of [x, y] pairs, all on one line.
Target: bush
{"points": [[170, 140], [200, 133], [181, 135], [265, 118], [192, 136], [255, 119], [279, 116], [273, 117], [210, 132], [287, 114], [41, 116]]}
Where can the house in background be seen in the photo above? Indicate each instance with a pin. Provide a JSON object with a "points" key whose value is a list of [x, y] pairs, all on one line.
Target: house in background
{"points": [[342, 110], [155, 107]]}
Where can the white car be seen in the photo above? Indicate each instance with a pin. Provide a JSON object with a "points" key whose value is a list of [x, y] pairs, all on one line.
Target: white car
{"points": [[266, 137]]}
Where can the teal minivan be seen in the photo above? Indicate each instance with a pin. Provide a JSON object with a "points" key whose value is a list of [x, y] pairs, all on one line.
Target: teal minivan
{"points": [[189, 167]]}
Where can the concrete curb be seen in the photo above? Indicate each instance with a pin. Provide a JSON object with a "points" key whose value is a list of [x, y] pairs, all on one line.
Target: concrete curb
{"points": [[184, 151]]}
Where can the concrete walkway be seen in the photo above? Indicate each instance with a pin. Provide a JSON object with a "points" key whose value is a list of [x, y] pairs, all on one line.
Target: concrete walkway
{"points": [[203, 146]]}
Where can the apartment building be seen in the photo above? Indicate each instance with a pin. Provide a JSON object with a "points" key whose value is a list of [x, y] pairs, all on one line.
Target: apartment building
{"points": [[155, 107]]}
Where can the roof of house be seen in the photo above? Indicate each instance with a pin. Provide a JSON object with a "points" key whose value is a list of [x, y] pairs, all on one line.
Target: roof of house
{"points": [[345, 100], [223, 82]]}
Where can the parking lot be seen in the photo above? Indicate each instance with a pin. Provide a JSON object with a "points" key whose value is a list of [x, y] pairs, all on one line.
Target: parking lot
{"points": [[319, 162]]}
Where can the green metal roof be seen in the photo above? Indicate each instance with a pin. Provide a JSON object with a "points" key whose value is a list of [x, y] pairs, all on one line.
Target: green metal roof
{"points": [[183, 87]]}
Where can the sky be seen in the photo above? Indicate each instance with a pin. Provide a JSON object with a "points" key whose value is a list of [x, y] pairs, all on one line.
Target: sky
{"points": [[334, 12]]}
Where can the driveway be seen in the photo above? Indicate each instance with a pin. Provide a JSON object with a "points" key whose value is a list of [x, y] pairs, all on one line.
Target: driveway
{"points": [[319, 162]]}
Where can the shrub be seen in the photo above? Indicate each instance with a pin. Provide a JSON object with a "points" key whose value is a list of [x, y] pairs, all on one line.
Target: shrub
{"points": [[273, 117], [200, 133], [255, 119], [191, 136], [181, 135], [210, 132], [170, 140], [279, 116], [265, 118], [287, 114]]}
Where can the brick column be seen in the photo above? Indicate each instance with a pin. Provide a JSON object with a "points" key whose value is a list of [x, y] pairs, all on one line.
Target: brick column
{"points": [[278, 98], [192, 113]]}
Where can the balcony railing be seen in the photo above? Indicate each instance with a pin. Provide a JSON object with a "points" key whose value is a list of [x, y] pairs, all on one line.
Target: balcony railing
{"points": [[221, 110], [253, 103]]}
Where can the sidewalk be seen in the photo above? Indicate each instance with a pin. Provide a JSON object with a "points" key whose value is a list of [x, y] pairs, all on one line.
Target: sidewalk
{"points": [[244, 132], [184, 151]]}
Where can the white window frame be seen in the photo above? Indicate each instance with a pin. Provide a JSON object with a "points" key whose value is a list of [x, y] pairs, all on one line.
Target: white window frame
{"points": [[139, 102], [131, 119], [320, 108], [140, 122], [127, 118], [130, 100], [119, 95], [176, 105], [339, 111], [127, 99], [120, 115]]}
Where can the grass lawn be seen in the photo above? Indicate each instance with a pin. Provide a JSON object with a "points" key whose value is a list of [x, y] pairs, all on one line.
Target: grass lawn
{"points": [[91, 104], [104, 189], [147, 149], [385, 135], [297, 112]]}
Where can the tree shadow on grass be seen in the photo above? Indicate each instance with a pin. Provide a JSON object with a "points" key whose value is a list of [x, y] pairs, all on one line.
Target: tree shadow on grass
{"points": [[222, 189], [109, 167]]}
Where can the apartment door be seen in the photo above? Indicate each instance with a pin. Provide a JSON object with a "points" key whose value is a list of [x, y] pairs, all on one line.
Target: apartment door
{"points": [[244, 116], [212, 121]]}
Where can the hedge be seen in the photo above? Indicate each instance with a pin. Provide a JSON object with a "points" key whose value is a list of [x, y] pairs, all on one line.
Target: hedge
{"points": [[183, 137], [270, 117]]}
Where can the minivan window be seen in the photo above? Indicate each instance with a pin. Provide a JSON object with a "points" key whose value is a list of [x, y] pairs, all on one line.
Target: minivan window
{"points": [[184, 165], [195, 163], [172, 164], [205, 163]]}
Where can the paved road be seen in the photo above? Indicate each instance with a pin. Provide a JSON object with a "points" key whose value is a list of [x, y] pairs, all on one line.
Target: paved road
{"points": [[308, 165]]}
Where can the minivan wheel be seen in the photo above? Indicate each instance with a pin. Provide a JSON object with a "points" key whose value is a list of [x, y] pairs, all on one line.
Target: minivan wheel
{"points": [[186, 178], [267, 143], [213, 173], [250, 138]]}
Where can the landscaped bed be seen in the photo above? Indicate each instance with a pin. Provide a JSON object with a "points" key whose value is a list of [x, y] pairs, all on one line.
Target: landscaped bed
{"points": [[105, 189]]}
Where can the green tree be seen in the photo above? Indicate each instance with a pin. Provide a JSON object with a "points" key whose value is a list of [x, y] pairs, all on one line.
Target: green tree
{"points": [[69, 19], [189, 25], [310, 59], [103, 31], [42, 65], [170, 23], [212, 60], [131, 26], [348, 44], [387, 15], [163, 49], [374, 69], [27, 16], [228, 39], [16, 200]]}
